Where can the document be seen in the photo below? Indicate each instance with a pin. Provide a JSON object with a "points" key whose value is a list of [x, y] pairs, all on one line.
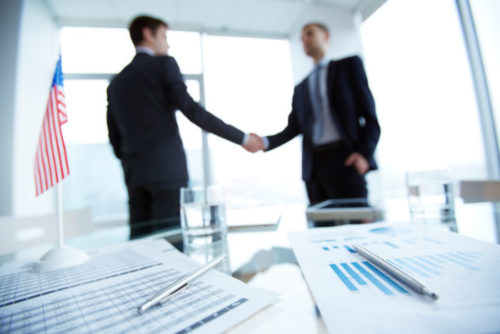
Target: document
{"points": [[354, 296], [102, 295]]}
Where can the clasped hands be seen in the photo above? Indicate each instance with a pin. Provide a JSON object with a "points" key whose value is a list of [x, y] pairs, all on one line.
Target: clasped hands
{"points": [[254, 143]]}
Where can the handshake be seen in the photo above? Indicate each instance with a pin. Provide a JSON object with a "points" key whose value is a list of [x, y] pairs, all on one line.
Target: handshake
{"points": [[254, 143]]}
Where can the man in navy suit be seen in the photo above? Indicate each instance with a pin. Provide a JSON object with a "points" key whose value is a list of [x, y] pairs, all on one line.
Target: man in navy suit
{"points": [[142, 101], [334, 111]]}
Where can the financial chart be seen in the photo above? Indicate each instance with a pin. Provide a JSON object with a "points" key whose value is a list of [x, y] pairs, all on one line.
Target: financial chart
{"points": [[102, 296]]}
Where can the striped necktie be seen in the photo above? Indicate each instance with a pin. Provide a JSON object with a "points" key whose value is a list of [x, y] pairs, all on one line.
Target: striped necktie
{"points": [[317, 104]]}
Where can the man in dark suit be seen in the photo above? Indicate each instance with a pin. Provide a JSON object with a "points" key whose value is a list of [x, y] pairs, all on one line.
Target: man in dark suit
{"points": [[142, 101], [334, 110]]}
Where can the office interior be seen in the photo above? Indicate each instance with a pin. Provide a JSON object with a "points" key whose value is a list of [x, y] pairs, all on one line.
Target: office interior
{"points": [[432, 66]]}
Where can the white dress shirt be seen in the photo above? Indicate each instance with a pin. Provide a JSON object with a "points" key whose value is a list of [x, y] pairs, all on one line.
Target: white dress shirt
{"points": [[325, 130]]}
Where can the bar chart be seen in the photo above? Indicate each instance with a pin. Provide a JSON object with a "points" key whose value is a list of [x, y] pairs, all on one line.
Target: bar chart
{"points": [[435, 264], [357, 274]]}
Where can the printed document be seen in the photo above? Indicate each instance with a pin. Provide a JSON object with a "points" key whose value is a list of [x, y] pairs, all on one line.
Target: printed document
{"points": [[102, 295], [354, 296]]}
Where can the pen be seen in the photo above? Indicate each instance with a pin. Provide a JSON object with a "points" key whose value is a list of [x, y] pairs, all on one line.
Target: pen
{"points": [[177, 286], [396, 272]]}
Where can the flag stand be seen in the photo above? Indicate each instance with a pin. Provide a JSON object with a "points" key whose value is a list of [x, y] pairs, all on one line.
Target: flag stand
{"points": [[61, 256]]}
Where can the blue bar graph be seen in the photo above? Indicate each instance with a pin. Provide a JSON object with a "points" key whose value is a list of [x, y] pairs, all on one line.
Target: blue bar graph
{"points": [[433, 241], [467, 254], [372, 279], [463, 264], [423, 266], [351, 250], [411, 267], [343, 278], [390, 244], [432, 257], [428, 261], [461, 257], [353, 274], [386, 278]]}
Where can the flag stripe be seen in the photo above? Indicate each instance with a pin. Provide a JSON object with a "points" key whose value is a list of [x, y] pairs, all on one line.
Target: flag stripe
{"points": [[51, 160], [43, 180], [53, 140], [59, 135], [45, 155]]}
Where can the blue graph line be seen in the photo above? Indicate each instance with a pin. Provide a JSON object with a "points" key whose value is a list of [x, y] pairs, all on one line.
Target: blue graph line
{"points": [[432, 257], [462, 258], [372, 279], [343, 278], [412, 268], [429, 262], [349, 249], [458, 262], [390, 244], [384, 277], [353, 274], [434, 241], [423, 266], [467, 254]]}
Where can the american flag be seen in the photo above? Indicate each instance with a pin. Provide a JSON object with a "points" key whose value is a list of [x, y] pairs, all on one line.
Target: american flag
{"points": [[51, 161]]}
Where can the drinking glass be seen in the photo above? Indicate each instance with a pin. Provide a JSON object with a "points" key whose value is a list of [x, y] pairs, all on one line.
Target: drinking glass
{"points": [[203, 221]]}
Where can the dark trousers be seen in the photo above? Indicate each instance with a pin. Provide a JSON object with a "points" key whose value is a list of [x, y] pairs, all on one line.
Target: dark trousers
{"points": [[152, 208], [331, 179]]}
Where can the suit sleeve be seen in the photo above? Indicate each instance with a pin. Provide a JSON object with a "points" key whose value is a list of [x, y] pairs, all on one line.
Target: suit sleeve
{"points": [[370, 130], [178, 95], [287, 134], [113, 132]]}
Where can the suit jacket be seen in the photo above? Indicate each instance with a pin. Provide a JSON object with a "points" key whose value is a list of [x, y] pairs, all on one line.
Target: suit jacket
{"points": [[352, 108], [142, 101]]}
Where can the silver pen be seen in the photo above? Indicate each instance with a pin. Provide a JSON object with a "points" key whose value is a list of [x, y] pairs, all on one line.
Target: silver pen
{"points": [[396, 272], [179, 285]]}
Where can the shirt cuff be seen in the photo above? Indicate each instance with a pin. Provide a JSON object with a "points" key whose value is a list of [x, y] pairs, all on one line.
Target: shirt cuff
{"points": [[246, 138], [266, 143]]}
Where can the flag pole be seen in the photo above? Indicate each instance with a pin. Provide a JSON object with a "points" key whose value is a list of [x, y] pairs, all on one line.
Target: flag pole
{"points": [[60, 216], [55, 165], [61, 256]]}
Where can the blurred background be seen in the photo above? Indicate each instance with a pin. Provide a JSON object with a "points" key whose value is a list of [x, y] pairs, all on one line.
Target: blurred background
{"points": [[241, 59]]}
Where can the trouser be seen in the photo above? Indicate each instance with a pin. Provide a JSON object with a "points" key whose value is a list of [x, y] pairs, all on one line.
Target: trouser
{"points": [[331, 179], [152, 208]]}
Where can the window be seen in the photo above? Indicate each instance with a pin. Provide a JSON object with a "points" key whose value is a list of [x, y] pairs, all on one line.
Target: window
{"points": [[248, 84], [96, 177], [485, 15], [420, 75]]}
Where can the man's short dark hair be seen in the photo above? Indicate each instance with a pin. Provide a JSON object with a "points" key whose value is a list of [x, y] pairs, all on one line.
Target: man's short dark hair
{"points": [[320, 25], [139, 23]]}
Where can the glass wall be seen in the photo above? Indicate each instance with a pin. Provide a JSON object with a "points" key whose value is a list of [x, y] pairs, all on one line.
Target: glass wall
{"points": [[485, 14], [252, 99], [96, 177], [249, 84], [420, 75]]}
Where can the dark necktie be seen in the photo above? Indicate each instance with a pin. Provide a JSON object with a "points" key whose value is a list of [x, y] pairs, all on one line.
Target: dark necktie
{"points": [[318, 104]]}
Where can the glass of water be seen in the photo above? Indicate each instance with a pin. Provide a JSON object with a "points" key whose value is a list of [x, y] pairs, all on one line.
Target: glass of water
{"points": [[204, 228], [430, 197]]}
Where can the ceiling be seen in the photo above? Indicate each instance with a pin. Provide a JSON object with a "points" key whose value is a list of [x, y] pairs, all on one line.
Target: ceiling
{"points": [[241, 17]]}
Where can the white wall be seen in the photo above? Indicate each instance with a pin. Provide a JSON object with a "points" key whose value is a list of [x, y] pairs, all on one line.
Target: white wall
{"points": [[345, 38], [9, 27], [38, 52]]}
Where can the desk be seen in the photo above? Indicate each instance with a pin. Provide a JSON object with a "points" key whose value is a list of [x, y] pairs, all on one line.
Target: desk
{"points": [[262, 259]]}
